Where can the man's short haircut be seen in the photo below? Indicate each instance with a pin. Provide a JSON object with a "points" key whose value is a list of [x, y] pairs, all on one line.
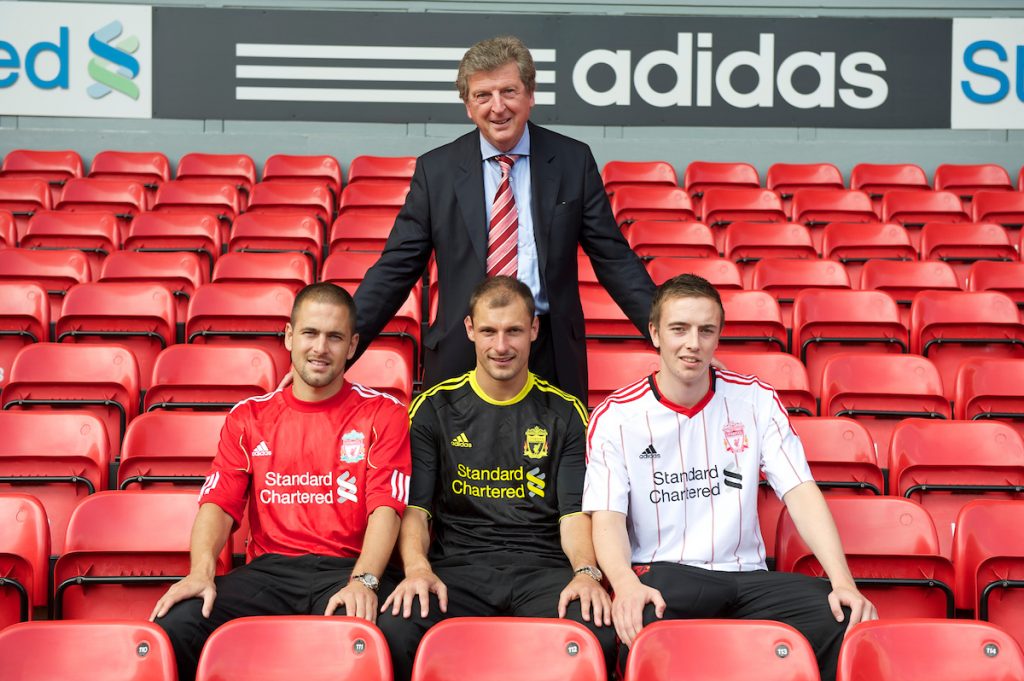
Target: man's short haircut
{"points": [[491, 54], [684, 286], [500, 292], [325, 292]]}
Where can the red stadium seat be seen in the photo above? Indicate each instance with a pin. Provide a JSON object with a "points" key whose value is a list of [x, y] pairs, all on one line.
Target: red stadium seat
{"points": [[929, 650], [217, 199], [878, 178], [785, 179], [54, 167], [903, 280], [650, 239], [24, 557], [242, 314], [95, 234], [854, 244], [235, 169], [842, 456], [24, 319], [149, 168], [966, 180], [722, 206], [818, 208], [893, 552], [747, 242], [385, 368], [180, 273], [723, 274], [781, 371], [753, 321], [703, 175], [603, 319], [164, 448], [209, 377], [114, 566], [124, 199], [990, 388], [619, 173], [308, 647], [58, 459], [191, 232], [291, 269], [724, 650], [278, 232], [397, 169], [1005, 277], [22, 199], [651, 202], [964, 244], [988, 553], [946, 464], [950, 326], [373, 197], [354, 232], [881, 390], [1002, 208], [310, 197], [55, 271], [611, 366], [127, 651], [8, 230], [785, 278], [560, 650], [827, 322], [322, 168], [347, 267], [913, 209]]}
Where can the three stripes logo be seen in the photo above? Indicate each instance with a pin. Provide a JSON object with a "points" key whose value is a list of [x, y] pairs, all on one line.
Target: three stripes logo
{"points": [[461, 440], [209, 484], [347, 488], [732, 478], [400, 486], [650, 453], [113, 68], [261, 449], [535, 482]]}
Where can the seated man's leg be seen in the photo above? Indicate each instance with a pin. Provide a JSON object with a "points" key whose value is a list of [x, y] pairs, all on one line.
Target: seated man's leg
{"points": [[259, 588], [472, 592], [799, 601]]}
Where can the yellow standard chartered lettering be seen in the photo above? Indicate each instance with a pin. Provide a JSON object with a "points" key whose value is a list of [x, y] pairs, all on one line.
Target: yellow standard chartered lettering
{"points": [[468, 475]]}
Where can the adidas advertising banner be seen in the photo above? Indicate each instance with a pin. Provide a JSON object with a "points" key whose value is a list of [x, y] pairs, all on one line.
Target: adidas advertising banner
{"points": [[400, 67], [988, 73], [71, 59]]}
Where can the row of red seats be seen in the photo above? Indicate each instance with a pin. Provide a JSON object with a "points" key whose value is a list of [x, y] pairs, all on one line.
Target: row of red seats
{"points": [[347, 649]]}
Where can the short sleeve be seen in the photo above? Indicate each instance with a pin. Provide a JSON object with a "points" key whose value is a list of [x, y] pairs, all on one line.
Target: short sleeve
{"points": [[227, 484], [388, 466], [425, 453], [782, 454], [606, 487], [572, 465]]}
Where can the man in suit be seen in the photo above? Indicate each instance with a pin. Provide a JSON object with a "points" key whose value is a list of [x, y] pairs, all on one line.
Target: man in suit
{"points": [[459, 208]]}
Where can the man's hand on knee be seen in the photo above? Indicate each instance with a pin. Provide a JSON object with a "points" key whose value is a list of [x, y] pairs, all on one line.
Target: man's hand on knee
{"points": [[357, 599], [591, 595], [861, 609], [192, 586], [628, 609], [417, 585]]}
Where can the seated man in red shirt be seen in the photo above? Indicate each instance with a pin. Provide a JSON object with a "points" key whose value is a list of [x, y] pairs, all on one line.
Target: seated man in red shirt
{"points": [[324, 467]]}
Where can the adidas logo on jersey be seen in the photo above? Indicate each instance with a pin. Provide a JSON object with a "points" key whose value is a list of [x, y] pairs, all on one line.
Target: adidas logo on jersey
{"points": [[461, 440], [650, 453], [261, 449]]}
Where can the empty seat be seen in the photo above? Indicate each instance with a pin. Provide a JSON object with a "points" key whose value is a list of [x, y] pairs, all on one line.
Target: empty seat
{"points": [[966, 180], [217, 199], [1002, 208], [55, 271], [124, 199], [618, 173], [22, 198], [841, 455], [990, 388], [785, 179], [191, 232], [291, 269], [114, 566], [946, 464], [611, 366], [278, 232], [1005, 277], [951, 326], [55, 167], [818, 208], [164, 448], [8, 230], [881, 390], [725, 650], [854, 244], [929, 650], [603, 319], [892, 550], [24, 557], [373, 197], [878, 178], [354, 232], [86, 651], [903, 280], [785, 278], [747, 242], [651, 202], [649, 238], [95, 234], [721, 206], [703, 175], [988, 554], [753, 321], [964, 244], [309, 197], [236, 169], [560, 650], [289, 168], [139, 317], [309, 647], [913, 209], [24, 319], [179, 272], [208, 377], [58, 459], [779, 370], [150, 168], [397, 169], [827, 322], [723, 274], [242, 314]]}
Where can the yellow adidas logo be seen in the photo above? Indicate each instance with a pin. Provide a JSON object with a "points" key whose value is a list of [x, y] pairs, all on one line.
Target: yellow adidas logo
{"points": [[461, 440]]}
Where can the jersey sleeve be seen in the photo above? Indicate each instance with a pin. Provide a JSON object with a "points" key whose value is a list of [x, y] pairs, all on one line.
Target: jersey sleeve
{"points": [[425, 454], [388, 463], [572, 464], [606, 487], [782, 454], [227, 484]]}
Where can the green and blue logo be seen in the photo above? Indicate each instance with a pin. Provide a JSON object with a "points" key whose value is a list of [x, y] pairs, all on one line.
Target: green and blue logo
{"points": [[113, 68]]}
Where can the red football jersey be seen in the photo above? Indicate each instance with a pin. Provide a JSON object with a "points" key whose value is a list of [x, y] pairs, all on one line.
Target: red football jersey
{"points": [[312, 472]]}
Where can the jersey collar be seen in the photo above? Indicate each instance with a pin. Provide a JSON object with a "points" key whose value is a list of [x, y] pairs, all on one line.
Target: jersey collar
{"points": [[323, 405], [500, 403], [689, 412]]}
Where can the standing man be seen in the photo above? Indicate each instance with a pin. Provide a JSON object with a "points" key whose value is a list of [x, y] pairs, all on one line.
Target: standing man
{"points": [[324, 465], [672, 473], [508, 198], [498, 467]]}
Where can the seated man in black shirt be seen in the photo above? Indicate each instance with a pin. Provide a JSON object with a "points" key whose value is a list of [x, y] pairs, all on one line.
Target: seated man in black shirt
{"points": [[498, 469]]}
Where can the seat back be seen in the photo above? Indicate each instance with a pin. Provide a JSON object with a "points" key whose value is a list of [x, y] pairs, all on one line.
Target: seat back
{"points": [[753, 321], [966, 179], [611, 366], [657, 238], [290, 168], [1005, 277], [963, 244], [1001, 207], [22, 198], [384, 368], [164, 448], [237, 169], [95, 234], [819, 207], [148, 167], [700, 176], [878, 178], [310, 197], [209, 377], [915, 208], [8, 230], [989, 388], [842, 456], [603, 319], [293, 270], [617, 173], [780, 370], [355, 232], [651, 202], [124, 199], [296, 232], [54, 167], [724, 205], [747, 242], [786, 179], [723, 274], [785, 278], [853, 244], [55, 271], [397, 169], [373, 197], [179, 272], [560, 650], [725, 650], [308, 647], [194, 231], [24, 319], [24, 556], [85, 651], [218, 199], [903, 280]]}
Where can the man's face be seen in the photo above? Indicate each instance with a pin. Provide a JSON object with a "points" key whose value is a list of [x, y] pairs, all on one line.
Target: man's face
{"points": [[502, 337], [686, 337], [321, 342], [499, 104]]}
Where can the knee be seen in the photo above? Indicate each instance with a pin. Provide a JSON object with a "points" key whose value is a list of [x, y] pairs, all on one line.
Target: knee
{"points": [[182, 619]]}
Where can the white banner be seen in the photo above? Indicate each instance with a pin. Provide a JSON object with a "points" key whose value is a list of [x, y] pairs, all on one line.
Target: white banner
{"points": [[988, 74], [71, 59]]}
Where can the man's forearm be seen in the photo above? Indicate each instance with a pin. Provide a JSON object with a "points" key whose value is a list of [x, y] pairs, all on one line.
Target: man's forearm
{"points": [[577, 540], [414, 540], [378, 541], [611, 543], [210, 532], [814, 522]]}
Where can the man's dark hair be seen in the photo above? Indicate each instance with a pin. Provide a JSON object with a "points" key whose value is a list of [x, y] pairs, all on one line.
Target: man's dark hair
{"points": [[685, 286], [325, 292], [501, 291]]}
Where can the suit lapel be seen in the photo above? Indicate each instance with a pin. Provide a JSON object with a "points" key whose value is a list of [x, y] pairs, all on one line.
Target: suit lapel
{"points": [[546, 179], [469, 193]]}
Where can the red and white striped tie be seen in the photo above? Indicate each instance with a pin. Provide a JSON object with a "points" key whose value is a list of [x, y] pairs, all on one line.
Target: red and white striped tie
{"points": [[503, 236]]}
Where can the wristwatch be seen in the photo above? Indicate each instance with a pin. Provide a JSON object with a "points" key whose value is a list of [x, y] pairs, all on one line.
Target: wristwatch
{"points": [[590, 571], [366, 579]]}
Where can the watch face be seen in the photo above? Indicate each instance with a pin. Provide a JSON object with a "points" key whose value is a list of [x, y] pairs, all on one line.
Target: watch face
{"points": [[367, 580]]}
